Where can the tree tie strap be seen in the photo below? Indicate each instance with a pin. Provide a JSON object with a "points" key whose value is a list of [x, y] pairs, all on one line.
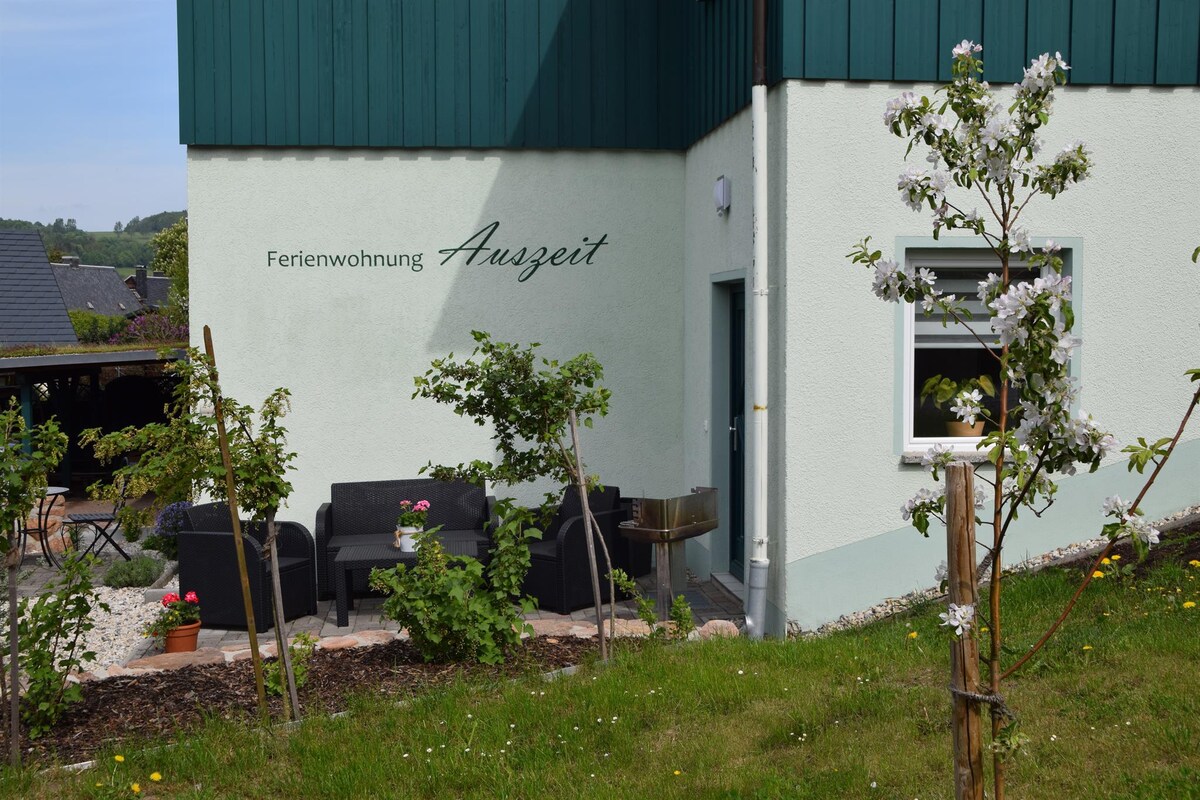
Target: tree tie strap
{"points": [[996, 701]]}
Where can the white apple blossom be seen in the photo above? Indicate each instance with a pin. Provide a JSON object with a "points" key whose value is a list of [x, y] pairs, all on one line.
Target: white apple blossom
{"points": [[965, 48], [968, 406], [1114, 506], [959, 618]]}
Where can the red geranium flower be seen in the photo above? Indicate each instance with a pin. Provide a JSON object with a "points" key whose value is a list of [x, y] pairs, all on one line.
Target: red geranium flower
{"points": [[191, 597], [170, 597]]}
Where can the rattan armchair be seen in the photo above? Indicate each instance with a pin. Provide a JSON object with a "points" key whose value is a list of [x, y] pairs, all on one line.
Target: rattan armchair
{"points": [[208, 566]]}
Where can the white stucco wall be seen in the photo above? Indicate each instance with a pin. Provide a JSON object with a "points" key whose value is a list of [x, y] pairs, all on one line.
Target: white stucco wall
{"points": [[1138, 221], [347, 341]]}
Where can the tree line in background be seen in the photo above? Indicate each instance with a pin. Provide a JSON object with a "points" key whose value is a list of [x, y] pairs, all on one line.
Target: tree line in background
{"points": [[128, 245]]}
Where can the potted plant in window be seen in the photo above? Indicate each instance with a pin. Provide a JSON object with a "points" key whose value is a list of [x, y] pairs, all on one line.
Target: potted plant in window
{"points": [[942, 391], [410, 522], [178, 624]]}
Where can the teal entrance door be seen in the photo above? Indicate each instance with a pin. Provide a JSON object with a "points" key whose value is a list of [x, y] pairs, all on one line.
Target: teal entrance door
{"points": [[737, 431]]}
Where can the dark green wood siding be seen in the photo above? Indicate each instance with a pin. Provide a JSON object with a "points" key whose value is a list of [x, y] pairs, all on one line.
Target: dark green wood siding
{"points": [[655, 74]]}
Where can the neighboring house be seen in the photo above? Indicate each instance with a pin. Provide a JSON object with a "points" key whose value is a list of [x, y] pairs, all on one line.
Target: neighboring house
{"points": [[153, 289], [31, 307], [368, 182], [86, 287]]}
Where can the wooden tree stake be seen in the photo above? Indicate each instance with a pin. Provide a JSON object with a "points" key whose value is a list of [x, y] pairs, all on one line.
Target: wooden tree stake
{"points": [[238, 545], [964, 651]]}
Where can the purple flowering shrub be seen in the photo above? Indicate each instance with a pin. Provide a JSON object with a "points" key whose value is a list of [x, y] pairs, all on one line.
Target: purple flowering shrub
{"points": [[151, 327]]}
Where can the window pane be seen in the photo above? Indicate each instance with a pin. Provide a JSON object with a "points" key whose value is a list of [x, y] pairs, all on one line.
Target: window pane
{"points": [[958, 364]]}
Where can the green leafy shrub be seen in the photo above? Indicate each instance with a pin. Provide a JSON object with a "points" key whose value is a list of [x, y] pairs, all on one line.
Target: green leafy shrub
{"points": [[301, 651], [140, 571], [50, 632], [92, 327], [680, 615], [455, 608]]}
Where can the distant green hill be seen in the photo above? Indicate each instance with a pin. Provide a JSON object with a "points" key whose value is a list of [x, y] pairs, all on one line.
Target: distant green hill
{"points": [[126, 248]]}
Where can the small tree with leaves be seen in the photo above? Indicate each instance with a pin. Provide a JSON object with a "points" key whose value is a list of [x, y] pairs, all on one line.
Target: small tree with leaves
{"points": [[534, 406], [181, 458], [26, 456]]}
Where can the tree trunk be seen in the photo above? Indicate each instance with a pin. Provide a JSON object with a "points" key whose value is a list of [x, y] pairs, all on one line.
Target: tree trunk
{"points": [[581, 483], [281, 637], [238, 546], [964, 651], [14, 674]]}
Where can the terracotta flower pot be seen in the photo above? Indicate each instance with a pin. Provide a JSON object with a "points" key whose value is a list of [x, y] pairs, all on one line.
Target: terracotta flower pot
{"points": [[183, 638], [958, 428]]}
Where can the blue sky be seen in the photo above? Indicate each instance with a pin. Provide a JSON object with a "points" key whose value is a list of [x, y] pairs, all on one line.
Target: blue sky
{"points": [[89, 122]]}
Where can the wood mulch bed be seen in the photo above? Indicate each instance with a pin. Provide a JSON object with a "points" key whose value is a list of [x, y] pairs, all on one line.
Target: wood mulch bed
{"points": [[161, 705]]}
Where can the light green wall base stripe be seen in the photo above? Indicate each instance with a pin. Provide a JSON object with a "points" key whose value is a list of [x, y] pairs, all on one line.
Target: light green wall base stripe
{"points": [[825, 586]]}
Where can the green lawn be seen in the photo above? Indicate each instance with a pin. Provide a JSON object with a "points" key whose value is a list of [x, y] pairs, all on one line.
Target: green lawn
{"points": [[862, 714]]}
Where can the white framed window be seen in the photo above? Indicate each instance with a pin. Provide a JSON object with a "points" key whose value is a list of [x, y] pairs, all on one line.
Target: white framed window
{"points": [[951, 351]]}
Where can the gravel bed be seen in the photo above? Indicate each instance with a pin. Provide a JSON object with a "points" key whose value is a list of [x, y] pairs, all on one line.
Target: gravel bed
{"points": [[895, 605]]}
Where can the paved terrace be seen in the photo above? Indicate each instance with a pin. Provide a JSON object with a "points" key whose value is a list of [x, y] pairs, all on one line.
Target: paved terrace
{"points": [[708, 600]]}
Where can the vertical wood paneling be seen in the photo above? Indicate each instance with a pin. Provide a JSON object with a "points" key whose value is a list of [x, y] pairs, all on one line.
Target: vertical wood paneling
{"points": [[395, 99], [291, 70], [309, 102], [379, 72], [550, 15], [258, 75], [791, 27], [240, 103], [202, 36], [959, 20], [343, 74], [612, 38], [360, 74], [575, 66], [1091, 41], [487, 72], [1004, 40], [187, 74], [521, 62], [1135, 24], [915, 53], [672, 82], [609, 73], [419, 90], [873, 39], [826, 39], [1048, 30], [1178, 42], [222, 110], [641, 74], [322, 13], [275, 80]]}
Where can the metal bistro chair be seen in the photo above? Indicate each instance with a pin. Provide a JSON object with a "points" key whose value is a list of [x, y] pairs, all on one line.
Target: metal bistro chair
{"points": [[40, 530]]}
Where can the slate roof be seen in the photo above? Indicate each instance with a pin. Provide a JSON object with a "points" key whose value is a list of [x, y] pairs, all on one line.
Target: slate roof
{"points": [[157, 287], [31, 306], [98, 289]]}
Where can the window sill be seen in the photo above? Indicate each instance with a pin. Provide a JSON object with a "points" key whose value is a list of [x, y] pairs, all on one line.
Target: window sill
{"points": [[970, 456]]}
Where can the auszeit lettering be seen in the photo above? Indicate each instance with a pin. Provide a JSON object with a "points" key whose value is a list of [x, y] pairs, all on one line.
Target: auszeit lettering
{"points": [[531, 258], [476, 249]]}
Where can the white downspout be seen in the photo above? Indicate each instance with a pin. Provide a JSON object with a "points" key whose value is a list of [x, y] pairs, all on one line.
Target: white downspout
{"points": [[756, 597]]}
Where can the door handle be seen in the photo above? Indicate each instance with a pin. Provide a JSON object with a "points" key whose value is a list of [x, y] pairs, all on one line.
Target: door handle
{"points": [[733, 429]]}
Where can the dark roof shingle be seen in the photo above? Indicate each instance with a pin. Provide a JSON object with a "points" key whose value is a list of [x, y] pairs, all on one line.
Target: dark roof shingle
{"points": [[31, 306], [98, 289]]}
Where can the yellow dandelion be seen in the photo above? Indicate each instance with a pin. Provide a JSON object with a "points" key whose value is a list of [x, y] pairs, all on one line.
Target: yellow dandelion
{"points": [[1087, 647], [912, 635], [118, 759], [1106, 561], [677, 772], [984, 629], [156, 777], [1116, 557], [1097, 574], [1194, 563], [136, 787], [1189, 604]]}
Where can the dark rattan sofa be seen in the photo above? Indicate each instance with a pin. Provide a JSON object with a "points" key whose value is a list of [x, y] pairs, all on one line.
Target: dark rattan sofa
{"points": [[364, 513], [208, 566]]}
